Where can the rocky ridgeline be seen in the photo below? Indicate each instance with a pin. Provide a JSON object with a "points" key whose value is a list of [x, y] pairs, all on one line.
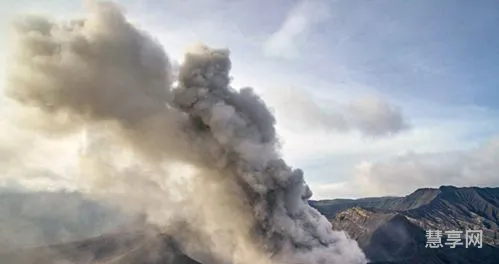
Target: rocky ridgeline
{"points": [[393, 229]]}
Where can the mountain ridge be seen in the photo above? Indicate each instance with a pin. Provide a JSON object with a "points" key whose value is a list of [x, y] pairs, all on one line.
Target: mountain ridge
{"points": [[392, 229]]}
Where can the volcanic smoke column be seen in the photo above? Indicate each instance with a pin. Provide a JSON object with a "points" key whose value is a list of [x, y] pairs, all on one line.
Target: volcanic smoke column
{"points": [[242, 125], [102, 74]]}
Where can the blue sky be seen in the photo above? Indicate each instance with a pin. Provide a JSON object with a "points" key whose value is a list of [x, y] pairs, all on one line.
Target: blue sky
{"points": [[431, 64]]}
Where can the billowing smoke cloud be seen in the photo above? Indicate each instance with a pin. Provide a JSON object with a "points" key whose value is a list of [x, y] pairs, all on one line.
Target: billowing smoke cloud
{"points": [[240, 200]]}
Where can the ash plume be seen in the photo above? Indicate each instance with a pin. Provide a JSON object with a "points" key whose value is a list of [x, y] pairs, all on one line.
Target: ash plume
{"points": [[104, 76]]}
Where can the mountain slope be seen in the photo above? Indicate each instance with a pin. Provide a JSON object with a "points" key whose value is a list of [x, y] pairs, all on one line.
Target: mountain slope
{"points": [[29, 219], [392, 229], [138, 247]]}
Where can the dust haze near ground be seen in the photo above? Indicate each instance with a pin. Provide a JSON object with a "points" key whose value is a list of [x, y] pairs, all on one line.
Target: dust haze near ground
{"points": [[199, 157]]}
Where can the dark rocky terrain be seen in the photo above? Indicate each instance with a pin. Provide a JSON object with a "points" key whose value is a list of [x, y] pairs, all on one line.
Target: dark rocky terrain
{"points": [[392, 229]]}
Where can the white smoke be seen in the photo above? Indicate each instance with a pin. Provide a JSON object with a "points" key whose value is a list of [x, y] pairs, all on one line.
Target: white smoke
{"points": [[234, 196]]}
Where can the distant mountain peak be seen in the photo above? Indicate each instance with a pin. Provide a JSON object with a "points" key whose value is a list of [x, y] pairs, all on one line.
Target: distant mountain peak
{"points": [[448, 188]]}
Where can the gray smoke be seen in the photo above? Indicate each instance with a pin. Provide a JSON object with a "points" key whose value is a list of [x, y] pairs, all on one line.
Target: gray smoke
{"points": [[243, 127], [112, 80]]}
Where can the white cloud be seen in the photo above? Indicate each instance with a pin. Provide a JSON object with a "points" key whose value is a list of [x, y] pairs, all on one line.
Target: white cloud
{"points": [[376, 117], [307, 146], [403, 174], [296, 109], [339, 189], [340, 165], [298, 23]]}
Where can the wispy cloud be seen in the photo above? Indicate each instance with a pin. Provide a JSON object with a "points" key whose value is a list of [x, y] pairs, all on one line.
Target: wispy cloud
{"points": [[403, 174], [371, 116], [343, 165], [301, 19]]}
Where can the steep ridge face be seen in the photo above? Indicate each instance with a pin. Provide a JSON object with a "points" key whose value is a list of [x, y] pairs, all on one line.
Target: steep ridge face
{"points": [[384, 236], [392, 229], [461, 209]]}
